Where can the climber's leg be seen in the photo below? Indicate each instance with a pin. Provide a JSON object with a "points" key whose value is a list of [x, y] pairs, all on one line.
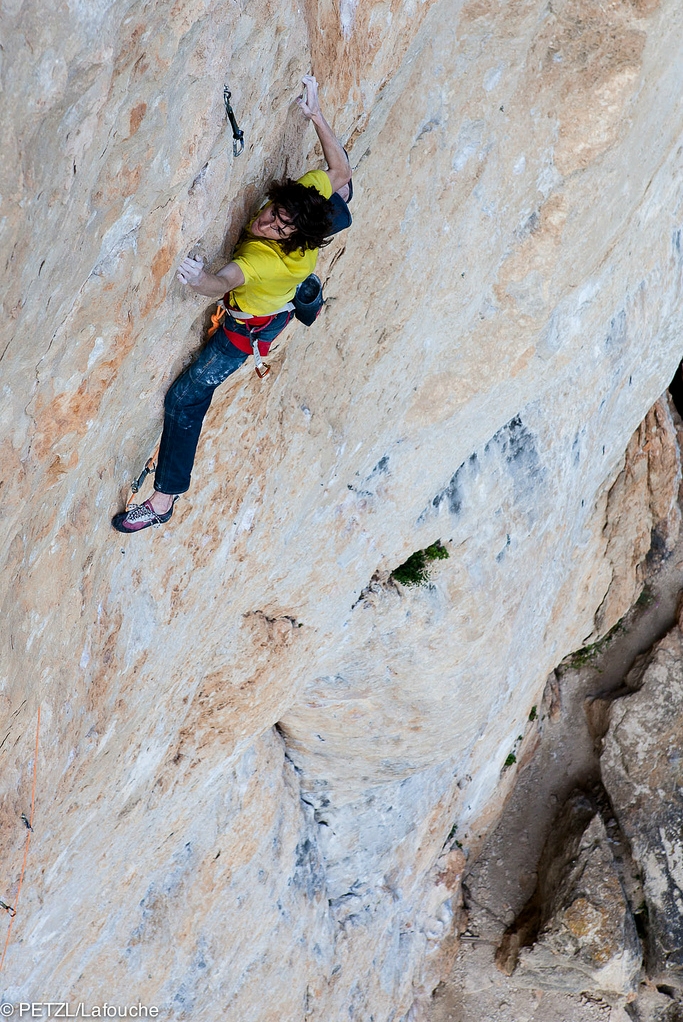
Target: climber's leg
{"points": [[186, 404], [188, 400]]}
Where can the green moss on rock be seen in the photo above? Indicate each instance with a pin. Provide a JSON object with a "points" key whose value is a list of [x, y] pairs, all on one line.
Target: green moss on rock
{"points": [[415, 571]]}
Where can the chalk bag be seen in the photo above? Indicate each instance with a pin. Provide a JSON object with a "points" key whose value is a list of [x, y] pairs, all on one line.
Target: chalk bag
{"points": [[308, 300]]}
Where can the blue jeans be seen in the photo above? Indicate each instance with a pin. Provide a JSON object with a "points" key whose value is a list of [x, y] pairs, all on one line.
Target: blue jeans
{"points": [[188, 400]]}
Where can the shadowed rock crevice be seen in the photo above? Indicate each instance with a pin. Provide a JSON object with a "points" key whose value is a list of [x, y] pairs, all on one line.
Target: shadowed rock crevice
{"points": [[641, 766], [578, 932]]}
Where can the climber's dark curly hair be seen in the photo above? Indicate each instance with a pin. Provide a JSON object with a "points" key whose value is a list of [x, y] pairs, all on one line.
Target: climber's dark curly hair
{"points": [[309, 211]]}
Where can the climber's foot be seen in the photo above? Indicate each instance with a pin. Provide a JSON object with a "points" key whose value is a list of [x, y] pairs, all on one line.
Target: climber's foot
{"points": [[162, 502], [141, 516]]}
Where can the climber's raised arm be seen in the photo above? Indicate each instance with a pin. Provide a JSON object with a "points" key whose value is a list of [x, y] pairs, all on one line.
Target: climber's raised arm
{"points": [[338, 168], [212, 285]]}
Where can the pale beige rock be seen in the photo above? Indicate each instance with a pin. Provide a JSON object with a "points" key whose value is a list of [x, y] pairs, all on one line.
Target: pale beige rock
{"points": [[643, 516], [501, 318]]}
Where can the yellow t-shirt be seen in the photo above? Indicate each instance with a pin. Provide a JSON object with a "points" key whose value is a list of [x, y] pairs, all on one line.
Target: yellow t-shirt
{"points": [[270, 276]]}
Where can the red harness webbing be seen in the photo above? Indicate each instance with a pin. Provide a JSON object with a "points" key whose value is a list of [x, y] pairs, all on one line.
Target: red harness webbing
{"points": [[242, 341]]}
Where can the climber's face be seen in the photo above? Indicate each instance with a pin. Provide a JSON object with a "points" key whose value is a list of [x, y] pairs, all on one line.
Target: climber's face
{"points": [[273, 224]]}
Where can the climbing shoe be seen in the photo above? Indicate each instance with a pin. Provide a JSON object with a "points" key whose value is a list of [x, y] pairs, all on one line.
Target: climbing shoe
{"points": [[140, 516]]}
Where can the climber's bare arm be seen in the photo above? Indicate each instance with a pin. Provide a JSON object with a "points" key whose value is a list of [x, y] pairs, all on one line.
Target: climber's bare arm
{"points": [[338, 168], [212, 285]]}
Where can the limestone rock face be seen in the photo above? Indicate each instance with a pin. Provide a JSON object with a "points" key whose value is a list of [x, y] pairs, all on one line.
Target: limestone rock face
{"points": [[643, 515], [578, 933], [256, 753], [641, 769]]}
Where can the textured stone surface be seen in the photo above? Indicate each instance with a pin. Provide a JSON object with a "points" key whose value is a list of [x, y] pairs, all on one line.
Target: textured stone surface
{"points": [[641, 769], [643, 516], [654, 1006], [577, 933], [500, 320]]}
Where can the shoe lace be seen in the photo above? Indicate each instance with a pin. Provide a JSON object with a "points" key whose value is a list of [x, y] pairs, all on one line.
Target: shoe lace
{"points": [[138, 512]]}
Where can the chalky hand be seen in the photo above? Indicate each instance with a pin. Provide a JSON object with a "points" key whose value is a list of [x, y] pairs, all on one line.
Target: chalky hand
{"points": [[309, 103], [191, 271]]}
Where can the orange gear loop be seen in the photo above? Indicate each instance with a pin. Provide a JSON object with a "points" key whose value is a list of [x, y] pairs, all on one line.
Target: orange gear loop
{"points": [[217, 318], [29, 831]]}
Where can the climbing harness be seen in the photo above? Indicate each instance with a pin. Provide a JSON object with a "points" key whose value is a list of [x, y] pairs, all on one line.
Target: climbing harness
{"points": [[8, 908], [262, 368], [237, 133]]}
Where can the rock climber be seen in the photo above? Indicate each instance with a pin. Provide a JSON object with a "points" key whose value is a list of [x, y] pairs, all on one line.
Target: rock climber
{"points": [[276, 253]]}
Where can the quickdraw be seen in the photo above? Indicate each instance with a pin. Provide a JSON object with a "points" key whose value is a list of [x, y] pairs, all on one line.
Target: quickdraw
{"points": [[136, 484], [237, 133]]}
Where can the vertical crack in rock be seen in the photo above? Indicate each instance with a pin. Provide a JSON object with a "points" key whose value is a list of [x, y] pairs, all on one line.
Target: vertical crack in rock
{"points": [[641, 767]]}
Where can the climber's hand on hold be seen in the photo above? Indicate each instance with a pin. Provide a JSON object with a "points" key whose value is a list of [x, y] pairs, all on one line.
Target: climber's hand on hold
{"points": [[309, 104], [191, 271], [211, 285], [338, 169]]}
